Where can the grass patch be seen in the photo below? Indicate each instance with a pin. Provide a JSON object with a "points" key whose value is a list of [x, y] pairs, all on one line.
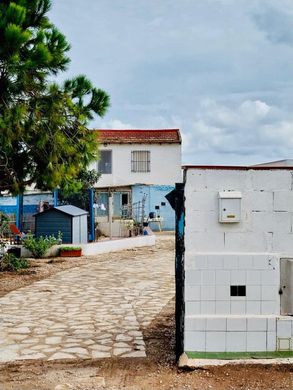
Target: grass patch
{"points": [[240, 355]]}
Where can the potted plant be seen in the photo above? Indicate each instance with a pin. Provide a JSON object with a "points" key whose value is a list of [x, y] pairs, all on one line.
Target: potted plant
{"points": [[70, 251]]}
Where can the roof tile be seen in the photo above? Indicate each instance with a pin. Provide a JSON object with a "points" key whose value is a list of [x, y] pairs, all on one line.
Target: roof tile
{"points": [[171, 136]]}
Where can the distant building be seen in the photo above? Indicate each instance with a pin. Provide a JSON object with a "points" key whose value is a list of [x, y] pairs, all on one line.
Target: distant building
{"points": [[279, 163], [136, 166]]}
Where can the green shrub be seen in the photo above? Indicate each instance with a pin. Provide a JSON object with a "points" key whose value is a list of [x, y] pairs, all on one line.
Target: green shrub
{"points": [[39, 246], [70, 248], [9, 262]]}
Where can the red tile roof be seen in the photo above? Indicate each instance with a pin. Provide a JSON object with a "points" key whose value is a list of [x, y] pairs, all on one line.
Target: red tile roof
{"points": [[166, 136]]}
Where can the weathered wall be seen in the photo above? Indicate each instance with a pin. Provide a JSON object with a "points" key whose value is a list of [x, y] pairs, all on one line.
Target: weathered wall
{"points": [[155, 196], [165, 165], [218, 256]]}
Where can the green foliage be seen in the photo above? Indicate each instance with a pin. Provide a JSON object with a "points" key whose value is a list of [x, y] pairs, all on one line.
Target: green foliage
{"points": [[9, 262], [76, 192], [4, 224], [39, 246], [43, 134], [70, 248]]}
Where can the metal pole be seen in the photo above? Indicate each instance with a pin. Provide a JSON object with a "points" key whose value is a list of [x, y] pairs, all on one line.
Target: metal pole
{"points": [[92, 215], [110, 214], [19, 211]]}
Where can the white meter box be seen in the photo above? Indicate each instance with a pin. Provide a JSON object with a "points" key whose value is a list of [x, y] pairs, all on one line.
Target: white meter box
{"points": [[229, 206]]}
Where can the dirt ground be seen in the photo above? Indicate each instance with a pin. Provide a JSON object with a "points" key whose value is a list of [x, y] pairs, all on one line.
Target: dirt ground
{"points": [[157, 371]]}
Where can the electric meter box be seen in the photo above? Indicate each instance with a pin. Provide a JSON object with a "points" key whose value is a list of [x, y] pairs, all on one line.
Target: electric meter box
{"points": [[229, 206]]}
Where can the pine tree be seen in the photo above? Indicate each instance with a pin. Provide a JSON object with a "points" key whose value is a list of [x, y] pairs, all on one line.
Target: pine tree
{"points": [[43, 134]]}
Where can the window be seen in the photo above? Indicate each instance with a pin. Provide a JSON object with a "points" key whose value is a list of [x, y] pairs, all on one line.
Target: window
{"points": [[105, 162], [238, 291], [140, 161]]}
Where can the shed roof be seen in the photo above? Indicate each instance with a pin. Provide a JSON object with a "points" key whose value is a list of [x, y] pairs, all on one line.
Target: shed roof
{"points": [[67, 209], [150, 136], [237, 167]]}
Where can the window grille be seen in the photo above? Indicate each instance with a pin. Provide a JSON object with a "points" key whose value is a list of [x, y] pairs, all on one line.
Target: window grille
{"points": [[105, 162], [140, 161]]}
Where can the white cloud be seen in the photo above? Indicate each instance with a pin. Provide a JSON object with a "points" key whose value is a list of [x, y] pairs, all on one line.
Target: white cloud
{"points": [[115, 124], [220, 70]]}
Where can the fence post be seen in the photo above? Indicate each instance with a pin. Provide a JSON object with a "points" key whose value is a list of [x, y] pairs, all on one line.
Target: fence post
{"points": [[19, 211]]}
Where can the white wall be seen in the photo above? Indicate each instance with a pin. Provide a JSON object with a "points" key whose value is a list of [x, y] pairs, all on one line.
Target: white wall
{"points": [[267, 211], [165, 165], [220, 255]]}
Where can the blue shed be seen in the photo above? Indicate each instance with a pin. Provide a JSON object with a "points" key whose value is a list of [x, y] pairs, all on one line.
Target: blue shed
{"points": [[71, 221]]}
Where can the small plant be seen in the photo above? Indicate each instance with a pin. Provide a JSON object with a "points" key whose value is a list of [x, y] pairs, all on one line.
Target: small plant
{"points": [[70, 248], [39, 246], [9, 262]]}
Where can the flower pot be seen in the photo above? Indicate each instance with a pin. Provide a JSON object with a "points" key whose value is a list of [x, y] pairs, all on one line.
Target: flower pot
{"points": [[71, 253]]}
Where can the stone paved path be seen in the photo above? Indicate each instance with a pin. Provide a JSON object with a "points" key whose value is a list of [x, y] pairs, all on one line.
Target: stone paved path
{"points": [[93, 311]]}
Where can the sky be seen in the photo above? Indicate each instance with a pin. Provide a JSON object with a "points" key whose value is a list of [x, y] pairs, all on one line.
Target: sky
{"points": [[220, 70]]}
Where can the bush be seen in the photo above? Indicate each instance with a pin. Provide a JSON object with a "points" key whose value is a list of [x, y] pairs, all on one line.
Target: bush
{"points": [[9, 262], [70, 248], [39, 246]]}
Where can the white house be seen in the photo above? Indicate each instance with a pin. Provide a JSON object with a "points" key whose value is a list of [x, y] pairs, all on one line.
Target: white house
{"points": [[137, 165], [237, 267]]}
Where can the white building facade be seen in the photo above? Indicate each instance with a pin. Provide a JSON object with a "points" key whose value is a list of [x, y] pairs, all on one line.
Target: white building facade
{"points": [[238, 261], [136, 165]]}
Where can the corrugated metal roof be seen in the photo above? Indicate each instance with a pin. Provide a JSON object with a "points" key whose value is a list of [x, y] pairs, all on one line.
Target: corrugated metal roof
{"points": [[71, 210], [169, 136]]}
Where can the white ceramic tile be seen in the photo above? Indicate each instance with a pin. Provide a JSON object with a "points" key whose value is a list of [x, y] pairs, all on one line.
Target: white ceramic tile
{"points": [[253, 293], [192, 293], [192, 308], [208, 293], [245, 262], [236, 342], [215, 341], [208, 277], [193, 278], [222, 277], [269, 293], [283, 344], [208, 307], [271, 341], [256, 341], [194, 341], [216, 324], [201, 262], [195, 324], [253, 307], [284, 328], [238, 278], [269, 307], [272, 324], [253, 278], [238, 307], [215, 262], [223, 307], [269, 277], [222, 293], [260, 262], [256, 324], [230, 262], [236, 324]]}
